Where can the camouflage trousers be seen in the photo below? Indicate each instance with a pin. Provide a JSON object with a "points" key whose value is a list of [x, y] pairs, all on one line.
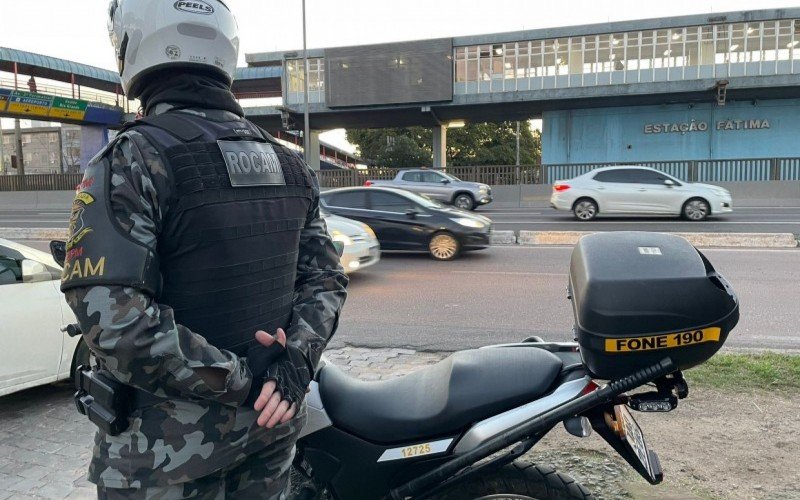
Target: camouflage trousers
{"points": [[261, 475]]}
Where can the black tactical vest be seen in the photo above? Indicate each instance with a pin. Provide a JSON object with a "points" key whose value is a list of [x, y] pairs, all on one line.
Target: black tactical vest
{"points": [[228, 245]]}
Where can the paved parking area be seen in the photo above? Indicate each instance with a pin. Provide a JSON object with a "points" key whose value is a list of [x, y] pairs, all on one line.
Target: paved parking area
{"points": [[45, 445]]}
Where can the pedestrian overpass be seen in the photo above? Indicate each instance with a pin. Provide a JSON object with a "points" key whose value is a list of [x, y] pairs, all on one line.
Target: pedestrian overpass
{"points": [[40, 87], [700, 87]]}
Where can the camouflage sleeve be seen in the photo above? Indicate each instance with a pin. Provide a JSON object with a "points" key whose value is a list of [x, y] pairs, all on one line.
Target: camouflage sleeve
{"points": [[320, 288], [133, 337]]}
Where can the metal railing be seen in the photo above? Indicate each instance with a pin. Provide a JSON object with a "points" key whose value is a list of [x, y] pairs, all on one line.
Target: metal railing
{"points": [[732, 170], [93, 96], [40, 182], [735, 170]]}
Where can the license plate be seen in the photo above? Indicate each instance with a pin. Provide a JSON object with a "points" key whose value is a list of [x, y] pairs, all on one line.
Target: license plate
{"points": [[633, 437]]}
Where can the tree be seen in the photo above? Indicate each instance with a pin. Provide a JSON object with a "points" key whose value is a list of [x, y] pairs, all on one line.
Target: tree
{"points": [[473, 144], [393, 147]]}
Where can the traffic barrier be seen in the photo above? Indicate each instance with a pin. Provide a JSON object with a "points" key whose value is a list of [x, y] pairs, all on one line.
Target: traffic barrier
{"points": [[742, 240]]}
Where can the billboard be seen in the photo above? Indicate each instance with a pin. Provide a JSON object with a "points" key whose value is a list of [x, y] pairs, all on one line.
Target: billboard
{"points": [[392, 73], [29, 104], [68, 109], [4, 95]]}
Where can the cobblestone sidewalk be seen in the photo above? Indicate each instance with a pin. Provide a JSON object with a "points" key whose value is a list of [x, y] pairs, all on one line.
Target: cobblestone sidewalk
{"points": [[45, 445]]}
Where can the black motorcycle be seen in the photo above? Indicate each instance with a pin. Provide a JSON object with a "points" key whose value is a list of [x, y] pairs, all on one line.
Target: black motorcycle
{"points": [[646, 307]]}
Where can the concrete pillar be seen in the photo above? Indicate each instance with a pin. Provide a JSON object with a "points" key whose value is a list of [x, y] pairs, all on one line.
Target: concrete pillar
{"points": [[312, 158], [93, 139], [439, 146]]}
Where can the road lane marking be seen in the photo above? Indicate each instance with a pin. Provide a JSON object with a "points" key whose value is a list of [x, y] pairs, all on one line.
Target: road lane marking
{"points": [[598, 222], [512, 273], [704, 249]]}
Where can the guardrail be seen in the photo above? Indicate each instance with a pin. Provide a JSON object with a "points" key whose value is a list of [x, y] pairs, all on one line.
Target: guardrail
{"points": [[40, 182], [95, 96], [735, 170]]}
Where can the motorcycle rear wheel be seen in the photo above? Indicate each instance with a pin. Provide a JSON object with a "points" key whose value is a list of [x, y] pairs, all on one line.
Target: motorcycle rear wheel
{"points": [[519, 481]]}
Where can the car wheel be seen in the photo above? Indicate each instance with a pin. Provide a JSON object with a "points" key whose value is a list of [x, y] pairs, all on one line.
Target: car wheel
{"points": [[464, 201], [444, 246], [696, 209], [82, 357], [585, 209]]}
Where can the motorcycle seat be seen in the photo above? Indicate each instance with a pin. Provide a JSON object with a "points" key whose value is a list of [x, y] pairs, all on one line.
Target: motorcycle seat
{"points": [[438, 400]]}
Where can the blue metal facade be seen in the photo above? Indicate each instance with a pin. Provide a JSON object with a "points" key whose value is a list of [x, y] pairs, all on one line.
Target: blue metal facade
{"points": [[702, 131]]}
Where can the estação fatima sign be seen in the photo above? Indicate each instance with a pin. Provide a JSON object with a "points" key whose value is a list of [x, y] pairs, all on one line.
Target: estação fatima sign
{"points": [[702, 126]]}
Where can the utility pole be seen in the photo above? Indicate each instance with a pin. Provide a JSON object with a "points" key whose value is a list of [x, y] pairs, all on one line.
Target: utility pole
{"points": [[2, 152], [18, 142], [517, 143], [307, 128]]}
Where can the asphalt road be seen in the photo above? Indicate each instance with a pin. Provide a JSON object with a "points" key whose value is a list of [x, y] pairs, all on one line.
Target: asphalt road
{"points": [[749, 220], [505, 294], [743, 220]]}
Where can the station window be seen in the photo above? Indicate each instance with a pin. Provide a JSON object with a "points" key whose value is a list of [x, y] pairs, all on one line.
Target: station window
{"points": [[692, 52]]}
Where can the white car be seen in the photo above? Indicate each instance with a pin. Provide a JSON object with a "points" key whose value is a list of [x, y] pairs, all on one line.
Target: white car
{"points": [[34, 351], [636, 190], [361, 247]]}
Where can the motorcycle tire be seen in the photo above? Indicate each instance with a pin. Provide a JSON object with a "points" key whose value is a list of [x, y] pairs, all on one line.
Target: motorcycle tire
{"points": [[519, 481]]}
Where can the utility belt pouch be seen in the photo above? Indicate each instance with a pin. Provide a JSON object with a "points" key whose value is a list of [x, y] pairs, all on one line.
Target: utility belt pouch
{"points": [[104, 400]]}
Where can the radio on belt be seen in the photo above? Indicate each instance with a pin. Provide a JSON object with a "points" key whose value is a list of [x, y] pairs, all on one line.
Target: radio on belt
{"points": [[638, 297]]}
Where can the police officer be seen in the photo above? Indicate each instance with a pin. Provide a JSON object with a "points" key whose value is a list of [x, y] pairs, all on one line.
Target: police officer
{"points": [[200, 271]]}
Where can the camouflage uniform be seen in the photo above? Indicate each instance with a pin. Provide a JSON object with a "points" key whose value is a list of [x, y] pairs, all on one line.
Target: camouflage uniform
{"points": [[200, 439]]}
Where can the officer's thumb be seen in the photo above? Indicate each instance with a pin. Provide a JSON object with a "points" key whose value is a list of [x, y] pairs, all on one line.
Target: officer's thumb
{"points": [[280, 336], [265, 338]]}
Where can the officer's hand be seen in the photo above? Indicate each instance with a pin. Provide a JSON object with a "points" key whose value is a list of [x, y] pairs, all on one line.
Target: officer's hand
{"points": [[274, 409], [268, 340]]}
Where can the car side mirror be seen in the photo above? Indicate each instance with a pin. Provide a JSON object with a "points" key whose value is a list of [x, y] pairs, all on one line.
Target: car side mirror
{"points": [[58, 249], [34, 272], [339, 246], [669, 183], [411, 213], [445, 181]]}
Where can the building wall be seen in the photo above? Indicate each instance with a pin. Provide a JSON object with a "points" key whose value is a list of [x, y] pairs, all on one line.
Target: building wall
{"points": [[41, 150], [744, 129]]}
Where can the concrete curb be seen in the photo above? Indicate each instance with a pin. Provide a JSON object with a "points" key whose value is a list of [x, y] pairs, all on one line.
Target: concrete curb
{"points": [[742, 240], [504, 238], [33, 233], [508, 238]]}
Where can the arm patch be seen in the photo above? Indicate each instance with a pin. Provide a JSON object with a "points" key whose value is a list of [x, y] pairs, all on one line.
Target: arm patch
{"points": [[99, 252]]}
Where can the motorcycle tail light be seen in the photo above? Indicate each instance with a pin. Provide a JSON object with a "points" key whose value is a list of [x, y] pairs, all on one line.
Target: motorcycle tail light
{"points": [[590, 388]]}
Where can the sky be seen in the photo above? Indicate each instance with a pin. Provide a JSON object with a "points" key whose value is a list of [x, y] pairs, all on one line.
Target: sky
{"points": [[76, 29]]}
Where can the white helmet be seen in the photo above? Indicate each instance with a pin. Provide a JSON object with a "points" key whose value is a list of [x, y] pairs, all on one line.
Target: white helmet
{"points": [[149, 35]]}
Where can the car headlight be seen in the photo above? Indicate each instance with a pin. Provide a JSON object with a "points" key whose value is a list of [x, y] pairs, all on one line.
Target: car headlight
{"points": [[466, 222], [340, 236], [369, 231], [483, 187]]}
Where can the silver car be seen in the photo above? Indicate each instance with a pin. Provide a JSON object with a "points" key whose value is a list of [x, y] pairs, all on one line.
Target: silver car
{"points": [[440, 186], [638, 191], [361, 247]]}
